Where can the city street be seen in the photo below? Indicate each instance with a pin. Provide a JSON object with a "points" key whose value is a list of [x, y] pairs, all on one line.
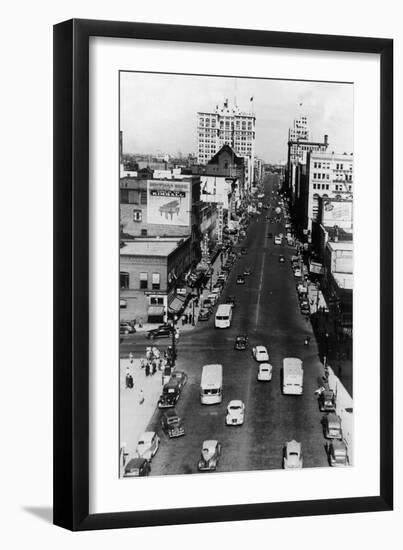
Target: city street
{"points": [[267, 312]]}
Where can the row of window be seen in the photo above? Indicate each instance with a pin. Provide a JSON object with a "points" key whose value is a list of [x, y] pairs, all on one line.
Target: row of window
{"points": [[133, 196], [155, 280], [320, 175]]}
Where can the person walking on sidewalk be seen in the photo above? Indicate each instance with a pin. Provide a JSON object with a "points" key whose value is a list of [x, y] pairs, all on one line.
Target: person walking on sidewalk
{"points": [[131, 357], [141, 397], [147, 368]]}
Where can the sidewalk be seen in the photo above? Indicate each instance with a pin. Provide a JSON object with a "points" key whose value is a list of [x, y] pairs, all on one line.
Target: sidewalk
{"points": [[134, 417]]}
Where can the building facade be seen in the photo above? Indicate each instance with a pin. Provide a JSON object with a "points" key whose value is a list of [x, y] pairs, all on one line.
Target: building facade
{"points": [[227, 125]]}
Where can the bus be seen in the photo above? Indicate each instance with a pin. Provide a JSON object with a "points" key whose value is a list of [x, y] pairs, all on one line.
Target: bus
{"points": [[293, 376], [223, 316], [211, 385]]}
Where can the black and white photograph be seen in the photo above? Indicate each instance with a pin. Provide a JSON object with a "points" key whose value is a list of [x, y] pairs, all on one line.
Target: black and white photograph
{"points": [[236, 218]]}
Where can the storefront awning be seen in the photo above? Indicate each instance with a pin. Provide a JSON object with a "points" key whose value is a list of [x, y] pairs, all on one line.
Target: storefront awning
{"points": [[155, 311], [175, 303]]}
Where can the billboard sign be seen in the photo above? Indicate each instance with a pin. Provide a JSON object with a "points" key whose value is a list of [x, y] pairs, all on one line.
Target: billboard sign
{"points": [[168, 202], [336, 212]]}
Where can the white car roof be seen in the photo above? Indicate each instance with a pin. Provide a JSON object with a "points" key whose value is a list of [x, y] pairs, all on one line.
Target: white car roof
{"points": [[209, 443], [146, 436], [264, 366], [261, 349], [293, 446]]}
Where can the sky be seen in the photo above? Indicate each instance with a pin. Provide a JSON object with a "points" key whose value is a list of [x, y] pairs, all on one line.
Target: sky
{"points": [[158, 112]]}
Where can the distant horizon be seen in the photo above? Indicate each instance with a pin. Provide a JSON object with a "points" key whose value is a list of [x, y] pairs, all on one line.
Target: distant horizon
{"points": [[158, 112]]}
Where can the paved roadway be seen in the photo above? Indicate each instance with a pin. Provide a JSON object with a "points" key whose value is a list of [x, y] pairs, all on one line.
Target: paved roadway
{"points": [[267, 311]]}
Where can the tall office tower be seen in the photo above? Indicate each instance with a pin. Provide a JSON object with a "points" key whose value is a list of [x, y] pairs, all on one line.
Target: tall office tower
{"points": [[227, 125], [299, 130]]}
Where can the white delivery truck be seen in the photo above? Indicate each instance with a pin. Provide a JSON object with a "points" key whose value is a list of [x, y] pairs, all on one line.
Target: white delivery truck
{"points": [[293, 376]]}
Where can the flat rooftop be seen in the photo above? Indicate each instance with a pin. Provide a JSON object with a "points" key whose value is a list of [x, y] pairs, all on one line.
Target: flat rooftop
{"points": [[343, 245], [155, 247]]}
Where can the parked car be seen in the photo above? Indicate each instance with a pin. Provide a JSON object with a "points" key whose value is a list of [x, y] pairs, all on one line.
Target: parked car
{"points": [[281, 259], [278, 240], [327, 401], [264, 372], [126, 328], [210, 455], [261, 354], [137, 467], [160, 332], [247, 271], [235, 413], [147, 445], [241, 342], [180, 377], [204, 314], [213, 297], [332, 426], [243, 251], [172, 424], [208, 303], [270, 235], [170, 395], [337, 453], [240, 280], [297, 272], [292, 458]]}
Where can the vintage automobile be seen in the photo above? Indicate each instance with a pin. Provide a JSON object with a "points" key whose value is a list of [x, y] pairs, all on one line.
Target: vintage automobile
{"points": [[278, 240], [292, 458], [264, 372], [172, 424], [137, 467], [240, 280], [210, 455], [261, 354], [163, 331], [230, 300], [244, 251], [247, 271], [216, 290], [270, 235], [241, 342], [332, 426], [213, 297], [126, 328], [204, 314], [235, 413], [170, 395], [208, 303], [180, 377], [281, 259], [337, 453], [327, 401], [147, 445]]}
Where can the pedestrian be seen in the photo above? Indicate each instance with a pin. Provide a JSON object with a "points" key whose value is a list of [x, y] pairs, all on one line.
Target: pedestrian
{"points": [[183, 320], [129, 380], [140, 323], [147, 368], [339, 370], [131, 357], [141, 397], [154, 367], [190, 318], [142, 363]]}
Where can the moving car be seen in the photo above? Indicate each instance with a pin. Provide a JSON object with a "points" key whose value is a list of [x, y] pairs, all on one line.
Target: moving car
{"points": [[210, 455], [327, 401], [261, 354], [240, 280], [147, 445], [172, 424], [247, 271], [337, 453], [281, 259], [180, 377], [126, 328], [230, 300], [292, 455], [278, 239], [235, 413], [264, 372], [170, 394], [164, 331], [332, 426], [137, 467], [241, 342]]}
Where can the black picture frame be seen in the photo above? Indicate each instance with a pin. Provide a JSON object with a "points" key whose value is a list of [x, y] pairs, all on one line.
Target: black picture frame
{"points": [[71, 273]]}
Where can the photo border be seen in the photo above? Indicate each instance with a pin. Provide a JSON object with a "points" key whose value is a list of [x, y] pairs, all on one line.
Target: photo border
{"points": [[71, 273]]}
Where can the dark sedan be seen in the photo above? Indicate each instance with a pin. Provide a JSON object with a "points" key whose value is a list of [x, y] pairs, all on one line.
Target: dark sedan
{"points": [[160, 332], [241, 342]]}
